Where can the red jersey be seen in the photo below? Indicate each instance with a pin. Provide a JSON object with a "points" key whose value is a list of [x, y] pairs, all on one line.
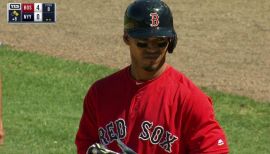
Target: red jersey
{"points": [[167, 114]]}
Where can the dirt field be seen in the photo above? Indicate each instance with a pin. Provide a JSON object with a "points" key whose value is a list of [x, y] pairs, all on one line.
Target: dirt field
{"points": [[224, 45]]}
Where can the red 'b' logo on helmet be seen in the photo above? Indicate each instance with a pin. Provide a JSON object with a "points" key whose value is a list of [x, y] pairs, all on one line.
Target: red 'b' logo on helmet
{"points": [[154, 19]]}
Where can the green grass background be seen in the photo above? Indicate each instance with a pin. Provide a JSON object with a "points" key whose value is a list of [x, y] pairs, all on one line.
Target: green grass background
{"points": [[42, 105]]}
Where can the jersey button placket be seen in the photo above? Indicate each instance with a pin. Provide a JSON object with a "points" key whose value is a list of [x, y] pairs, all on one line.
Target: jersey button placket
{"points": [[135, 105]]}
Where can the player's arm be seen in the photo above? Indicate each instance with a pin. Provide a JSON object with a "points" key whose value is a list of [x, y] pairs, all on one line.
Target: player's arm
{"points": [[203, 133], [87, 133]]}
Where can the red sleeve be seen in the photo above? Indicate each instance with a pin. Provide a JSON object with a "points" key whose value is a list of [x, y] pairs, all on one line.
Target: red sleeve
{"points": [[202, 133], [87, 133]]}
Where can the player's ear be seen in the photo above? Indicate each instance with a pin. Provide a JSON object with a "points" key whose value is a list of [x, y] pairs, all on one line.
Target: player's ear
{"points": [[125, 38]]}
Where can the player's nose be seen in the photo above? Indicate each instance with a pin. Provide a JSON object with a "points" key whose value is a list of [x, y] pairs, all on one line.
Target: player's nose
{"points": [[152, 47]]}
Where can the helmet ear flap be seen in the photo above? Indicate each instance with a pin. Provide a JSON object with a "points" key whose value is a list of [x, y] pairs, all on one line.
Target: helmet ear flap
{"points": [[172, 44]]}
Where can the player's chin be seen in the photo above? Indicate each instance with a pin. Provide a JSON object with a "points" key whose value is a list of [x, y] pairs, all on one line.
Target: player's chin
{"points": [[151, 67]]}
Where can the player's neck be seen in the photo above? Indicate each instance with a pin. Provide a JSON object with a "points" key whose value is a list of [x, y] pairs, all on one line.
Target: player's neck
{"points": [[143, 75]]}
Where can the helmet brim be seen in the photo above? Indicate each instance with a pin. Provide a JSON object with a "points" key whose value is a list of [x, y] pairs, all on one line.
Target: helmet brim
{"points": [[150, 32]]}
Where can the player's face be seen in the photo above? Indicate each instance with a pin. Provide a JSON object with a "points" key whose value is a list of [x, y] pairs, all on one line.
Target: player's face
{"points": [[148, 54]]}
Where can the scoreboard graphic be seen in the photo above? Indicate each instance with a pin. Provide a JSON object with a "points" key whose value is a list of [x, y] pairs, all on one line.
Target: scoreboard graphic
{"points": [[31, 12]]}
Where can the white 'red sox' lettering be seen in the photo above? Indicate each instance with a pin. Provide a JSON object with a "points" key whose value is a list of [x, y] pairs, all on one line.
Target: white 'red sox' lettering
{"points": [[149, 132]]}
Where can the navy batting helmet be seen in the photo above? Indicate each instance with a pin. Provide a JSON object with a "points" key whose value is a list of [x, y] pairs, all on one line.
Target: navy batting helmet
{"points": [[150, 18]]}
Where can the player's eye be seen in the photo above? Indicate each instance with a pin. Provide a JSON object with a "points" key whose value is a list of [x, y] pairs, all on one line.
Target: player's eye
{"points": [[145, 45]]}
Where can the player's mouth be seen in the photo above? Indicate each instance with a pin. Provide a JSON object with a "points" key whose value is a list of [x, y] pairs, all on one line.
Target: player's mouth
{"points": [[151, 56]]}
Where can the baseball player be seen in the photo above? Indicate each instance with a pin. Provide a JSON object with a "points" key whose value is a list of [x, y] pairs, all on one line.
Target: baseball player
{"points": [[149, 106]]}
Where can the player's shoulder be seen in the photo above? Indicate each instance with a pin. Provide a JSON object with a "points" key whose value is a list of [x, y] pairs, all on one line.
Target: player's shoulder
{"points": [[177, 77], [186, 85]]}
